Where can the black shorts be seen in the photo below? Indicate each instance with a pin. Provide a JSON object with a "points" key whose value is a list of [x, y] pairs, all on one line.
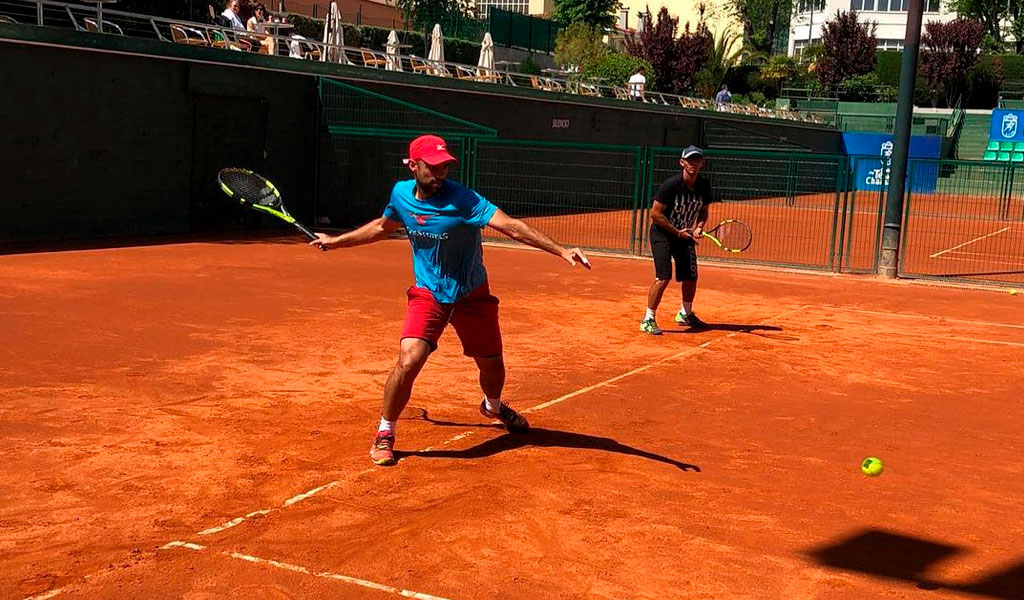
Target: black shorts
{"points": [[684, 253]]}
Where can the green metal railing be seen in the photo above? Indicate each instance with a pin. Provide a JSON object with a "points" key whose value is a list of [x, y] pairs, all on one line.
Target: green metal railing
{"points": [[885, 123]]}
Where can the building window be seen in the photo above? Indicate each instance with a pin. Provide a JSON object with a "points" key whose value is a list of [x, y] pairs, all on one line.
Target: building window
{"points": [[931, 6], [805, 6], [517, 6], [800, 45], [889, 45]]}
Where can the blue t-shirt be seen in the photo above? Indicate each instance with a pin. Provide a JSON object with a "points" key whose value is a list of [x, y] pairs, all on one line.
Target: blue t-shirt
{"points": [[444, 232]]}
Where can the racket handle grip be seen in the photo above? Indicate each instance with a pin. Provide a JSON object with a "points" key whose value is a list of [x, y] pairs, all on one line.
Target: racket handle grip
{"points": [[312, 236]]}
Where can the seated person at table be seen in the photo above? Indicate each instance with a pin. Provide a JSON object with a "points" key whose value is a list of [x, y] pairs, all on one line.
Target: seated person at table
{"points": [[230, 13], [257, 24]]}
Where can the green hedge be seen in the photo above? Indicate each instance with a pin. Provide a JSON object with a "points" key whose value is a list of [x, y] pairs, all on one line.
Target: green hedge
{"points": [[616, 68], [374, 38], [887, 67], [983, 81]]}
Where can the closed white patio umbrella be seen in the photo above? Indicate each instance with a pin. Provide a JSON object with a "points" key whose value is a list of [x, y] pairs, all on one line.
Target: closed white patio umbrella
{"points": [[393, 54], [436, 45], [334, 35]]}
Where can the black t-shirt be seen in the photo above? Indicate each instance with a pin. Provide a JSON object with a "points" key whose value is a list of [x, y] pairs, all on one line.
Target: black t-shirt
{"points": [[682, 204]]}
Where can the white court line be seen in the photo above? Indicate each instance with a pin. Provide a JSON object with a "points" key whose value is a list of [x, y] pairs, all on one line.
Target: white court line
{"points": [[305, 571], [927, 317], [987, 261], [286, 503], [977, 239], [962, 339], [312, 492], [47, 595], [233, 522], [969, 253], [635, 371]]}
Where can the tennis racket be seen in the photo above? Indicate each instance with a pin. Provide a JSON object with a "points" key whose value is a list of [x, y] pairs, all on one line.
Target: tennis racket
{"points": [[730, 235], [257, 193]]}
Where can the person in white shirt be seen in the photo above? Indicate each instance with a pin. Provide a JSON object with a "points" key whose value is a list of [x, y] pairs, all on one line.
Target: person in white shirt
{"points": [[231, 14], [257, 24], [637, 81]]}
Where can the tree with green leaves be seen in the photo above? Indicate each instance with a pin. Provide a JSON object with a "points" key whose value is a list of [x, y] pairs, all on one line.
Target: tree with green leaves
{"points": [[765, 22], [578, 45], [596, 13], [422, 14], [778, 69], [615, 69], [725, 53], [991, 14]]}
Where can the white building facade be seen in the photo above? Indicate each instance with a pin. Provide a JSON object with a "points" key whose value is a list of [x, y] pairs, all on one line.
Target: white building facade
{"points": [[537, 8], [889, 15]]}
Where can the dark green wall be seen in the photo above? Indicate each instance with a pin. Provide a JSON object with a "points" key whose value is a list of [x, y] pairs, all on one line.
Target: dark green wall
{"points": [[537, 118], [107, 136], [101, 145]]}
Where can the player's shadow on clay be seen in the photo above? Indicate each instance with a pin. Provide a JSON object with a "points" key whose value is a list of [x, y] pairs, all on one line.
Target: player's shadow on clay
{"points": [[537, 438], [766, 331]]}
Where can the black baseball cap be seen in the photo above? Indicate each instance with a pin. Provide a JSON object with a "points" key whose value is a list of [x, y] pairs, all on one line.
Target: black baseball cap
{"points": [[691, 152]]}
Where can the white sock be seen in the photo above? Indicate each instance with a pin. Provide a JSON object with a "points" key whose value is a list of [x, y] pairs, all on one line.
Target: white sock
{"points": [[388, 426], [492, 406], [648, 315], [687, 308]]}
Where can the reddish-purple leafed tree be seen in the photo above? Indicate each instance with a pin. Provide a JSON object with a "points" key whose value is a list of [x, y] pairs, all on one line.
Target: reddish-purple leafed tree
{"points": [[675, 60], [950, 52], [849, 49]]}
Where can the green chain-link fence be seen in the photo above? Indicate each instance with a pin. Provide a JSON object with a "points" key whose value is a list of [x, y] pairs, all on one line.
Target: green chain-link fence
{"points": [[515, 30], [964, 221]]}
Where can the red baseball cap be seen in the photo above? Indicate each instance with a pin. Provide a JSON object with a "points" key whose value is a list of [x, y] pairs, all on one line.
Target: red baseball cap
{"points": [[431, 149]]}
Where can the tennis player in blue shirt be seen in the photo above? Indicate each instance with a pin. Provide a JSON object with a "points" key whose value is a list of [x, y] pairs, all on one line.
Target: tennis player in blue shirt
{"points": [[443, 220]]}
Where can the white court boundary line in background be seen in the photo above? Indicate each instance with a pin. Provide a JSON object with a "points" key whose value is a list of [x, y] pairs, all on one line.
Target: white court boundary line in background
{"points": [[331, 484], [988, 261], [968, 242], [926, 317]]}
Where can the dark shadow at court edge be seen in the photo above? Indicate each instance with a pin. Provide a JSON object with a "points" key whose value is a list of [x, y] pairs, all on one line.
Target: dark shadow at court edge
{"points": [[896, 556], [724, 327], [538, 438]]}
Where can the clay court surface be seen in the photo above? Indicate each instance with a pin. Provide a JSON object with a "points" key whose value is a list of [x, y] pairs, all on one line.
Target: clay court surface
{"points": [[191, 420]]}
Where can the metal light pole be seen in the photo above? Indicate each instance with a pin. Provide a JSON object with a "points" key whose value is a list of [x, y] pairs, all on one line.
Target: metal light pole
{"points": [[810, 24], [889, 259]]}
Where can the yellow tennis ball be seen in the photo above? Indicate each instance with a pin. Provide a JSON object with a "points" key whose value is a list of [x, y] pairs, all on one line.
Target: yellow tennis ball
{"points": [[1013, 292], [871, 466]]}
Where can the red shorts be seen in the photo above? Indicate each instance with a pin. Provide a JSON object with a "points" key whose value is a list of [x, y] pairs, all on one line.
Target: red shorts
{"points": [[475, 318]]}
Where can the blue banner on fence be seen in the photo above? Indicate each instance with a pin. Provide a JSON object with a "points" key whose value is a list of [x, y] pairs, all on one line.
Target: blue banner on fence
{"points": [[872, 174], [1007, 125]]}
